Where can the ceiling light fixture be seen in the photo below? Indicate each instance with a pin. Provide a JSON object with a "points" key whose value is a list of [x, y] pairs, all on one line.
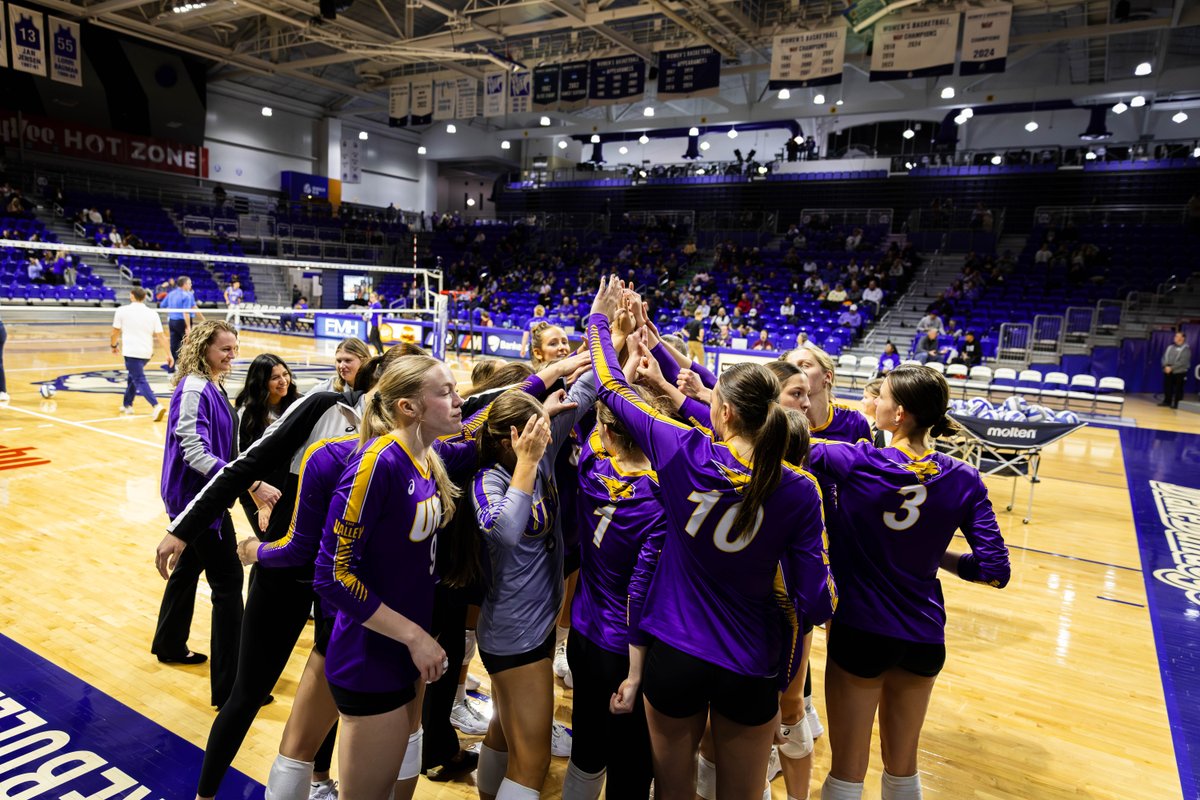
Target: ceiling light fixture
{"points": [[363, 135], [1120, 108], [1143, 68], [908, 133], [693, 131], [997, 160], [267, 111], [784, 94], [595, 138], [421, 150], [948, 93], [470, 202], [1179, 118], [967, 113], [505, 145], [1031, 126], [644, 139], [544, 122], [623, 150], [819, 99], [732, 133], [450, 128], [1090, 156], [700, 171], [763, 170], [1138, 101], [648, 111], [705, 145], [562, 145], [960, 119]]}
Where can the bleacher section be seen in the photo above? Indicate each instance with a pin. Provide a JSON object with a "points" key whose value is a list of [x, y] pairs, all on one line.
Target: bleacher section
{"points": [[15, 283]]}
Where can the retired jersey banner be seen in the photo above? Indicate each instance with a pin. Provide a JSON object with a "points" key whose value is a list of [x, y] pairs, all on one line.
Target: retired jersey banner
{"points": [[914, 46], [28, 40], [422, 102], [545, 86], [808, 58], [985, 39], [445, 102], [495, 94], [3, 39], [690, 72], [621, 79], [573, 85], [520, 92], [468, 103], [66, 65], [398, 103]]}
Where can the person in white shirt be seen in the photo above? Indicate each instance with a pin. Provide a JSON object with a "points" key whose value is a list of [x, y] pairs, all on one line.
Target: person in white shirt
{"points": [[134, 330], [1042, 256], [810, 267], [931, 322], [873, 294]]}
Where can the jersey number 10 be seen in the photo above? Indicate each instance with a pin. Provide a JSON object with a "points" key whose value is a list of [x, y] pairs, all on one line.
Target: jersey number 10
{"points": [[705, 502]]}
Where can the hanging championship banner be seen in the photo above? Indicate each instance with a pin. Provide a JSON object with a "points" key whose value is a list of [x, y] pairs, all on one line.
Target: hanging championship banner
{"points": [[398, 103], [3, 40], [545, 86], [914, 47], [28, 40], [573, 85], [65, 52], [520, 92], [690, 72], [445, 98], [495, 94], [468, 103], [620, 79], [985, 39], [422, 102], [808, 58], [352, 150]]}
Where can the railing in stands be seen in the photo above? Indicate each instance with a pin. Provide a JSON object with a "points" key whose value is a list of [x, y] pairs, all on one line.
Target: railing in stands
{"points": [[862, 217], [1058, 216], [331, 251]]}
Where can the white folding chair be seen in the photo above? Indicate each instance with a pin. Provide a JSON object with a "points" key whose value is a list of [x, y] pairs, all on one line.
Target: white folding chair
{"points": [[1054, 388], [1110, 394], [1082, 392]]}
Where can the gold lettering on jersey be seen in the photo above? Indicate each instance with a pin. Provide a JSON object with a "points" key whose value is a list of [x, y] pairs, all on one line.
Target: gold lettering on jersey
{"points": [[1179, 510], [617, 489], [426, 519]]}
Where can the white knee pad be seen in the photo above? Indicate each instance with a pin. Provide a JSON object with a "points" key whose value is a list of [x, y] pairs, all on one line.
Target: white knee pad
{"points": [[706, 778], [834, 789], [580, 785], [411, 767], [289, 779], [490, 772], [511, 790], [798, 740]]}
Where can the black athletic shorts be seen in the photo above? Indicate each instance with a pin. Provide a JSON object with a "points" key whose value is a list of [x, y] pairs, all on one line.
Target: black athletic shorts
{"points": [[369, 704], [571, 561], [680, 685], [869, 655], [495, 663], [322, 627]]}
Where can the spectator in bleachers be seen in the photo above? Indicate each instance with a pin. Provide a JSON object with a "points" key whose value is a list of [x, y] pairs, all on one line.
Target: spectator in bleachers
{"points": [[810, 266], [873, 295], [1044, 254], [801, 339], [787, 310], [719, 336], [763, 342], [854, 292], [694, 332], [813, 285], [70, 274], [835, 297], [233, 299], [970, 352], [850, 318], [930, 349], [721, 318], [1176, 361], [931, 322], [35, 270], [889, 359], [953, 330]]}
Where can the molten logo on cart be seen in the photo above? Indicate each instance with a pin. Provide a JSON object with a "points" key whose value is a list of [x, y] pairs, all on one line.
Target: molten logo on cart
{"points": [[1011, 433]]}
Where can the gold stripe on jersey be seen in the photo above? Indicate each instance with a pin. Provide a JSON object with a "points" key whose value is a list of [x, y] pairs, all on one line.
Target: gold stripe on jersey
{"points": [[618, 386], [291, 531], [780, 590], [347, 535], [362, 478]]}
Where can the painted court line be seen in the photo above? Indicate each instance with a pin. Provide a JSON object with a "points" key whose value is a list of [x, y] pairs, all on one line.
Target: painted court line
{"points": [[1122, 602], [86, 367], [86, 427], [1011, 546]]}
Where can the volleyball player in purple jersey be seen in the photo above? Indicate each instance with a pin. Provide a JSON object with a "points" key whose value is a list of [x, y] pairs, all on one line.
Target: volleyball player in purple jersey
{"points": [[828, 417], [745, 539], [376, 566], [622, 524], [899, 509]]}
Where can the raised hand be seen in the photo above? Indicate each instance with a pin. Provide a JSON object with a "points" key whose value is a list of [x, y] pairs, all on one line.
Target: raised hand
{"points": [[530, 444]]}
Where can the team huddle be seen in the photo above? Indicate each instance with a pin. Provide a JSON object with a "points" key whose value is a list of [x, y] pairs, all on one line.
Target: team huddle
{"points": [[690, 531]]}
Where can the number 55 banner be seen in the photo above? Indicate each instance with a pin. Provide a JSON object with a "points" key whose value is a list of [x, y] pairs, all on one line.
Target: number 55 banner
{"points": [[65, 52], [985, 39]]}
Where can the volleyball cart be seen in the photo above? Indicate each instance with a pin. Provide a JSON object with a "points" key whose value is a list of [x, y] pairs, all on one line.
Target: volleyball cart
{"points": [[1007, 449]]}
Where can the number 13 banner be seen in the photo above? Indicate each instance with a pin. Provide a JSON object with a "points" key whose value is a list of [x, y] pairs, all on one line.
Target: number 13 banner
{"points": [[27, 40], [65, 52], [985, 39]]}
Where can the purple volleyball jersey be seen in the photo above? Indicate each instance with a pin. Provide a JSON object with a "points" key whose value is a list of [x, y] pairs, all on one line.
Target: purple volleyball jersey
{"points": [[845, 424], [716, 595], [622, 526], [896, 515]]}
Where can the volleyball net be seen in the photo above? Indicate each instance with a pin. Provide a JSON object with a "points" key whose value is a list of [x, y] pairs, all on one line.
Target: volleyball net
{"points": [[416, 309]]}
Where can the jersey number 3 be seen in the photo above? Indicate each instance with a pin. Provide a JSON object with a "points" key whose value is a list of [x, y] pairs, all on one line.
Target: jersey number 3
{"points": [[910, 510]]}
